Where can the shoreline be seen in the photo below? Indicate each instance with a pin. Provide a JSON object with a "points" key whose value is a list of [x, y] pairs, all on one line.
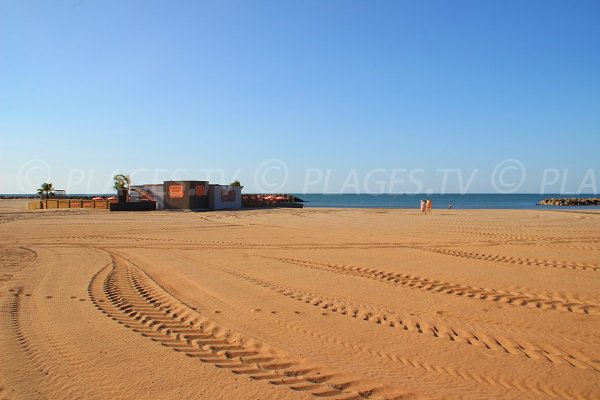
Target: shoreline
{"points": [[408, 201], [17, 202], [10, 206]]}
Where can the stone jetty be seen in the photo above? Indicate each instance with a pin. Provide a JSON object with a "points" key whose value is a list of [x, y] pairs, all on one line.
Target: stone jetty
{"points": [[573, 201]]}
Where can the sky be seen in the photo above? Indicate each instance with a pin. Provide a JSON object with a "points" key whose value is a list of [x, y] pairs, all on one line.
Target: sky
{"points": [[302, 96]]}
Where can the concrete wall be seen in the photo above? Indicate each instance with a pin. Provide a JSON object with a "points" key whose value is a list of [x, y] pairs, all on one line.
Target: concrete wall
{"points": [[224, 197]]}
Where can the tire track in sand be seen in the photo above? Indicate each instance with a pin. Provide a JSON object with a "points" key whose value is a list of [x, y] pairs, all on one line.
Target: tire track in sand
{"points": [[14, 259], [512, 260], [504, 227], [439, 330], [525, 385], [6, 218], [221, 244], [61, 383], [530, 240], [515, 240], [535, 301], [553, 246], [130, 297]]}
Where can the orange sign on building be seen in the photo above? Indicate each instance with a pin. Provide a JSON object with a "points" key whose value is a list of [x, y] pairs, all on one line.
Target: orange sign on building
{"points": [[176, 191]]}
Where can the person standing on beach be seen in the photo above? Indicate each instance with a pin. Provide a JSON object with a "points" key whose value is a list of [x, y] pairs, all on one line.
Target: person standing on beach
{"points": [[423, 207], [428, 205]]}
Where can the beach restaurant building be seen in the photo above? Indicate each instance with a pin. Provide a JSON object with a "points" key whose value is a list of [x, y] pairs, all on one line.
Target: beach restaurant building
{"points": [[190, 195]]}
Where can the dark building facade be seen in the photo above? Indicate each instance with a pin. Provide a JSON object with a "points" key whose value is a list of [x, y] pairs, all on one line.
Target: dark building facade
{"points": [[182, 195]]}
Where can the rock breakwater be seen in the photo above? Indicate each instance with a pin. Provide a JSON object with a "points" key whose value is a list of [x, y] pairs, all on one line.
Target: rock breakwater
{"points": [[573, 201]]}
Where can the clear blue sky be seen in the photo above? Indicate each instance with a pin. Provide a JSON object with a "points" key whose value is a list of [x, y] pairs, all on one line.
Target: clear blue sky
{"points": [[166, 89]]}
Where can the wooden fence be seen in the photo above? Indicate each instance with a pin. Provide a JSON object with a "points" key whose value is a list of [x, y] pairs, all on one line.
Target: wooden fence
{"points": [[69, 203]]}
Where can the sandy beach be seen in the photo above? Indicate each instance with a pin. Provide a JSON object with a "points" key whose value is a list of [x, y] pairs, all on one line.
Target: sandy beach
{"points": [[299, 304]]}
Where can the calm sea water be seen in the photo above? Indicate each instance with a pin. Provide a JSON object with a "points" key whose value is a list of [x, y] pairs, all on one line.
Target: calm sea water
{"points": [[458, 201]]}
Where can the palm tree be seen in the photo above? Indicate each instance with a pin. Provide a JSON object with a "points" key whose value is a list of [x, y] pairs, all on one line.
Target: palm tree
{"points": [[46, 188], [122, 187], [121, 182]]}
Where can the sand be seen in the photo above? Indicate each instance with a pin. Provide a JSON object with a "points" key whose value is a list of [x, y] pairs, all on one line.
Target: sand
{"points": [[298, 304]]}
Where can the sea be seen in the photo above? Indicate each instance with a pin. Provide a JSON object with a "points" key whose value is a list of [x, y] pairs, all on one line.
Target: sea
{"points": [[457, 201]]}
